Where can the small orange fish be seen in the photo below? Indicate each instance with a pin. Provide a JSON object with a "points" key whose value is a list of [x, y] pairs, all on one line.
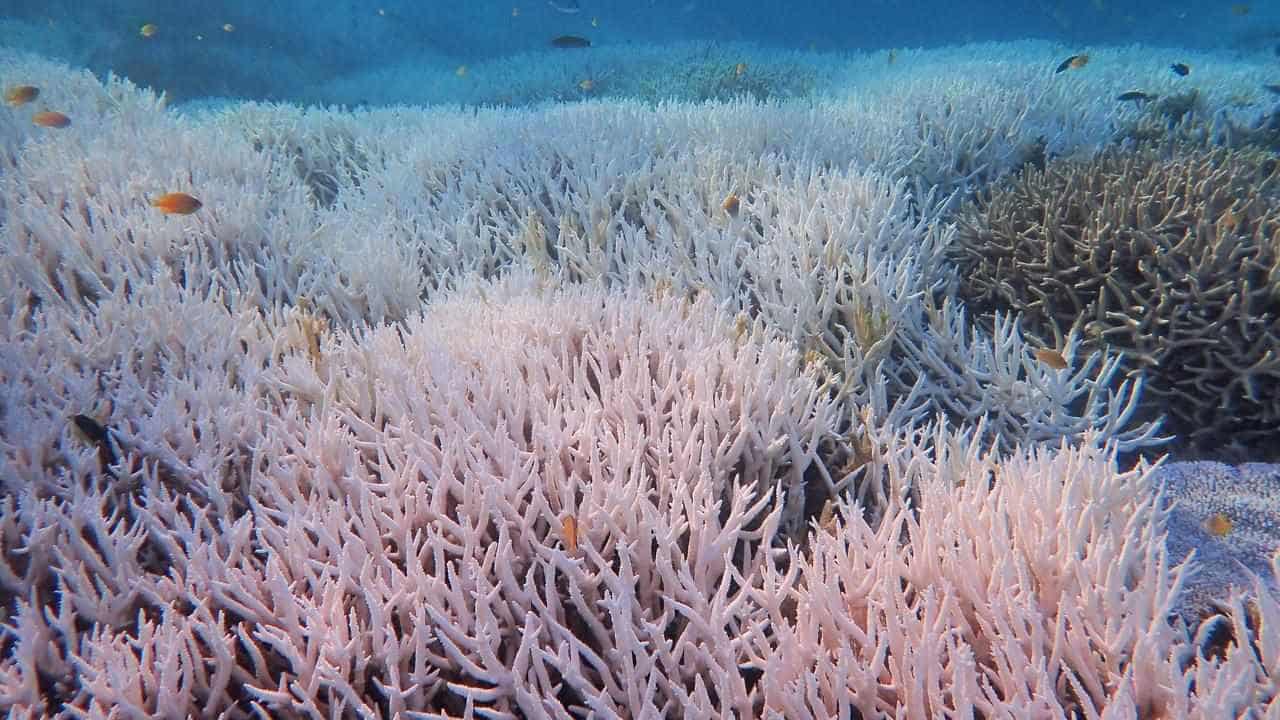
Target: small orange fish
{"points": [[1229, 220], [51, 119], [739, 70], [21, 94], [148, 30], [1218, 525], [461, 71], [176, 203], [731, 204], [1052, 358], [1075, 62], [569, 529], [587, 85]]}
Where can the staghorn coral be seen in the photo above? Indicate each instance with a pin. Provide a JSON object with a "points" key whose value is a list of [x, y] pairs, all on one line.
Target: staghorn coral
{"points": [[621, 193], [321, 501], [1184, 119], [402, 548], [915, 616], [1171, 258]]}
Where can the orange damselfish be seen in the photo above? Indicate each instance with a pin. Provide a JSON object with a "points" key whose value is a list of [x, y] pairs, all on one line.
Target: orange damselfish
{"points": [[21, 94], [176, 203], [51, 119]]}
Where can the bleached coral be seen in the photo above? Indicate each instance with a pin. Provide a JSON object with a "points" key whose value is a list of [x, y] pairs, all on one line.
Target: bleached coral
{"points": [[568, 485], [405, 502], [1032, 586]]}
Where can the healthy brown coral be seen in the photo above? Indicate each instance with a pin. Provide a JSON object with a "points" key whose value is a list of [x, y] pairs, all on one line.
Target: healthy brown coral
{"points": [[1170, 256]]}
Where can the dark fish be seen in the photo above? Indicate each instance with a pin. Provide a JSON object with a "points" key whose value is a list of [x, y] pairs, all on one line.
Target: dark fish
{"points": [[98, 436], [568, 7], [1136, 96], [570, 41], [1180, 69], [1075, 61], [1273, 88]]}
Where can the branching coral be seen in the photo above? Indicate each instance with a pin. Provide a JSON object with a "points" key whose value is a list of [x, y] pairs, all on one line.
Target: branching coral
{"points": [[924, 628], [401, 545], [515, 419], [1172, 259], [404, 545]]}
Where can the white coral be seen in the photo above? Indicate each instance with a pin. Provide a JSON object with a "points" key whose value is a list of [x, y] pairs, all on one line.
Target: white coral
{"points": [[315, 498]]}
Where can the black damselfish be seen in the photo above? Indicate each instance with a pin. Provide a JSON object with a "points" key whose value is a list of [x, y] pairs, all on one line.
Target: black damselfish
{"points": [[570, 41]]}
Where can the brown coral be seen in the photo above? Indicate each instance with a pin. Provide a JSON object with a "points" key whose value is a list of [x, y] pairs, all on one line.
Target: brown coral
{"points": [[1169, 256]]}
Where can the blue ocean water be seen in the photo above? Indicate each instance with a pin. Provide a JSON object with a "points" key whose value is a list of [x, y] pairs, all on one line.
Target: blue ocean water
{"points": [[296, 50]]}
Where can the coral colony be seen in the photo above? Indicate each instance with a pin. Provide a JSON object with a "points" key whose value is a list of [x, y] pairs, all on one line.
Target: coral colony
{"points": [[845, 405]]}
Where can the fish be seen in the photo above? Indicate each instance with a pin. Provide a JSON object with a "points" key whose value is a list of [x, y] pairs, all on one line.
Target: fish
{"points": [[21, 95], [1181, 69], [461, 71], [515, 12], [731, 204], [569, 529], [98, 436], [739, 70], [568, 7], [148, 30], [1229, 220], [1218, 524], [1240, 9], [587, 85], [228, 27], [50, 119], [176, 203], [1052, 358], [1275, 88], [893, 56], [566, 42], [1075, 62], [595, 22], [1136, 96]]}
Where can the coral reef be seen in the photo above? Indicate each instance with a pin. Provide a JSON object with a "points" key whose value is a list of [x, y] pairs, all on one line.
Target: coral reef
{"points": [[428, 467], [502, 412], [1171, 257]]}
